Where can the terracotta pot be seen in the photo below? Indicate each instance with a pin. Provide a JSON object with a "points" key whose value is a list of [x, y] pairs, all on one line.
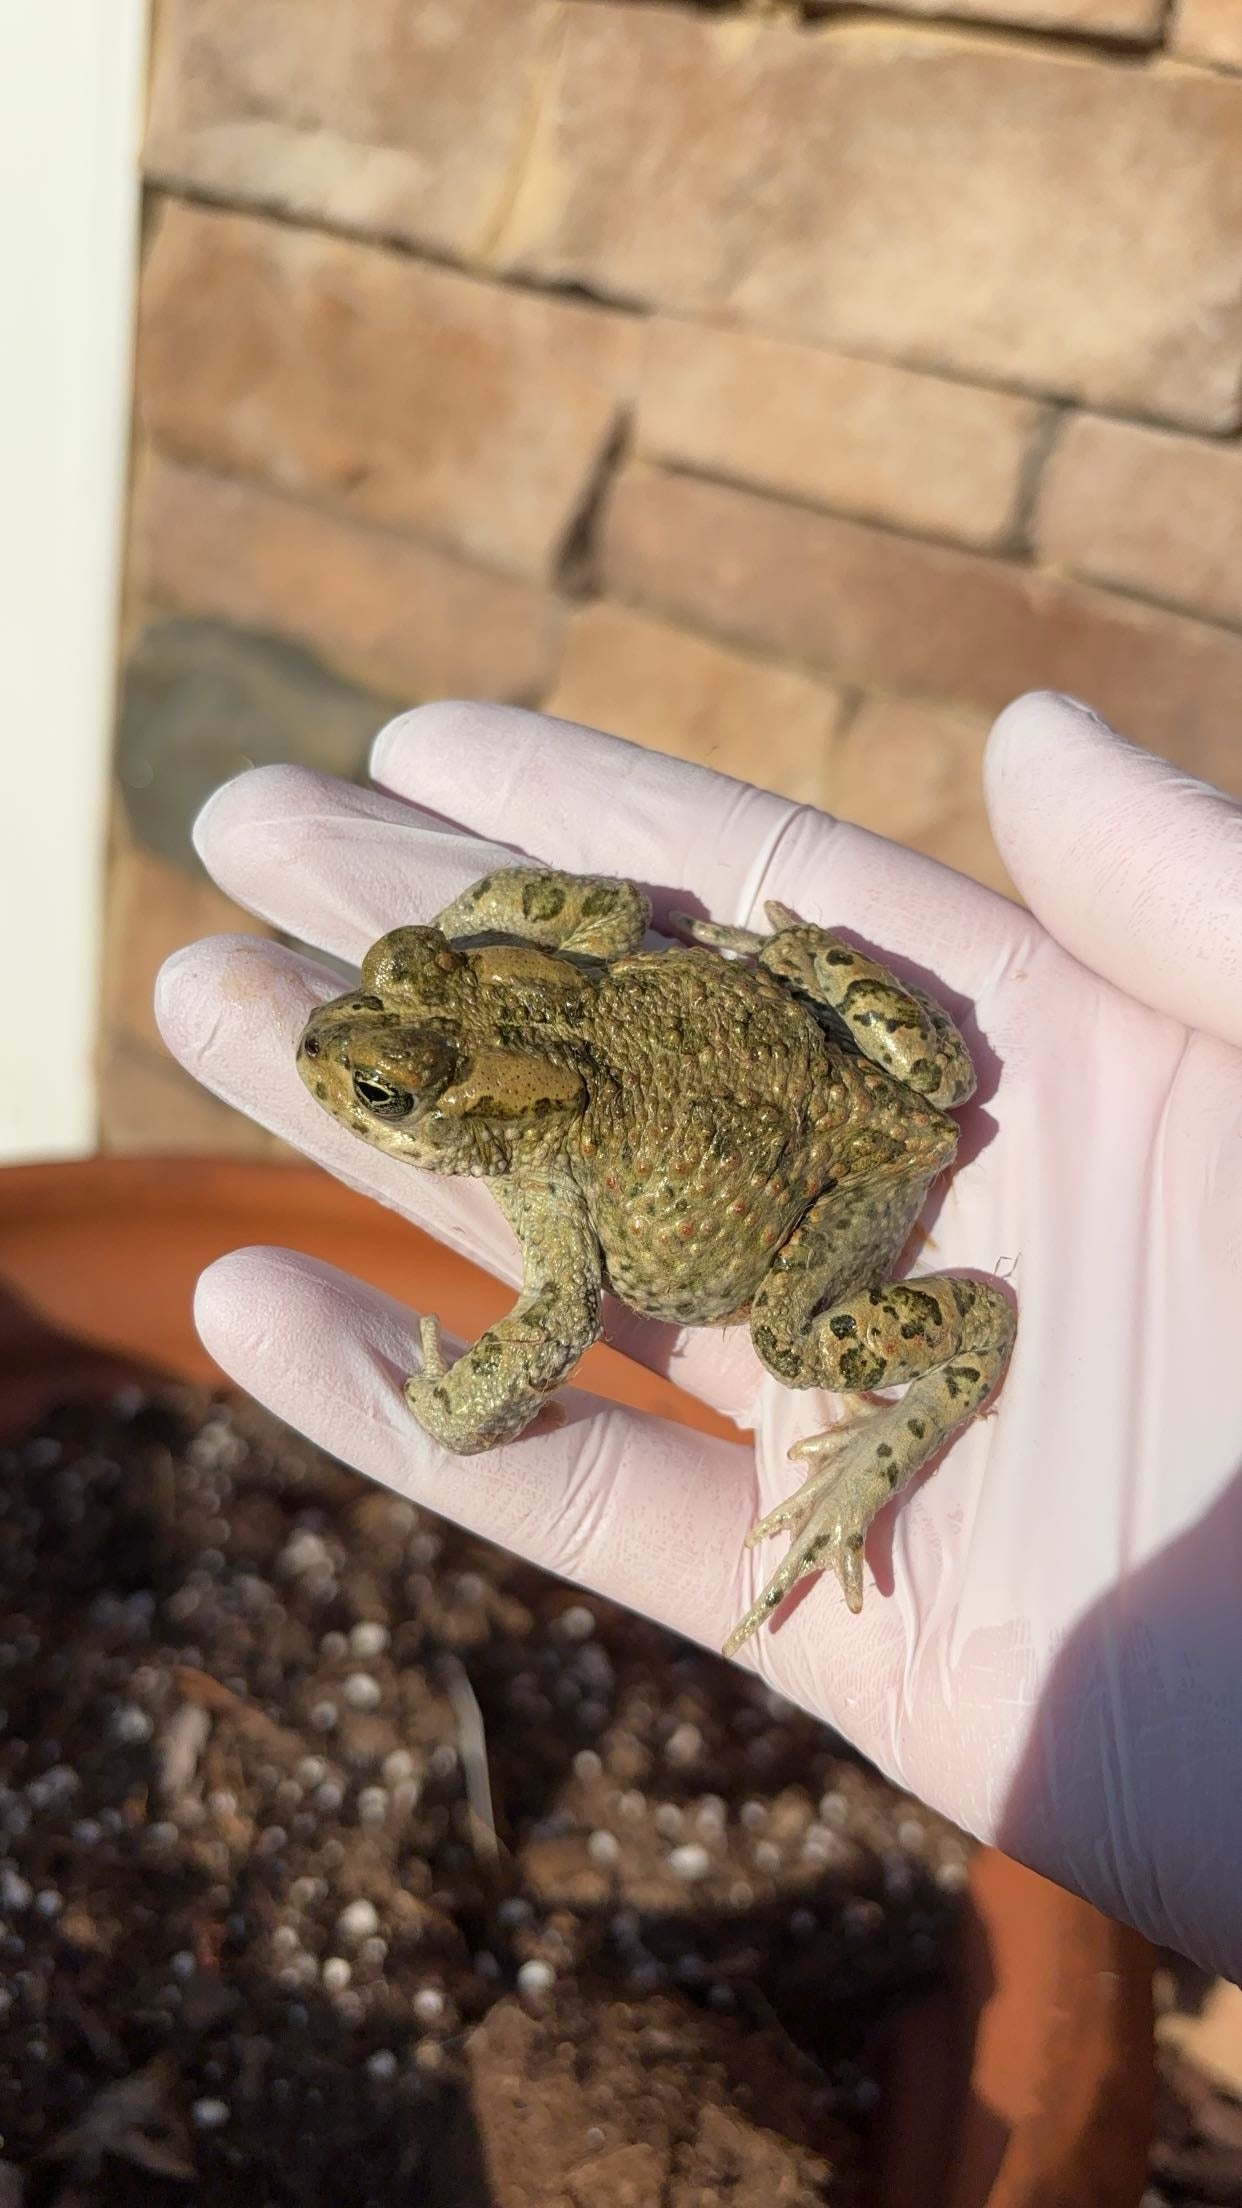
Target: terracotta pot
{"points": [[1028, 2083]]}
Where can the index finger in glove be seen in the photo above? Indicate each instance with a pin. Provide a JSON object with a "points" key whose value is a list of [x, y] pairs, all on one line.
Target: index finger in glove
{"points": [[474, 787], [594, 804], [1133, 865]]}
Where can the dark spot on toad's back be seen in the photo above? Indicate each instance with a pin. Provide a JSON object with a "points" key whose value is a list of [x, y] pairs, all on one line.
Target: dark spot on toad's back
{"points": [[542, 901]]}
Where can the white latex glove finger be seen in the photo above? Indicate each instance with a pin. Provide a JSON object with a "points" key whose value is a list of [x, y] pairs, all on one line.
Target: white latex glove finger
{"points": [[1130, 864], [331, 864], [599, 806], [480, 785], [630, 1505]]}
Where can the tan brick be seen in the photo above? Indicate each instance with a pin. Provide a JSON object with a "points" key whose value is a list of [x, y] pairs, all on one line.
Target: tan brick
{"points": [[880, 610], [860, 436], [1135, 20], [914, 772], [1003, 211], [1208, 30], [675, 693], [405, 617], [403, 118], [149, 1107], [1146, 509], [153, 910], [403, 394]]}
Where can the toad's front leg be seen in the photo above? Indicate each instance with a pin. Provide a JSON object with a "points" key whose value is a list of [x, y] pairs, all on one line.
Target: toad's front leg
{"points": [[497, 1387]]}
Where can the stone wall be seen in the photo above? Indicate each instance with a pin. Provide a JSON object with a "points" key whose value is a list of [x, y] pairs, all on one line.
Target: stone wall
{"points": [[784, 387]]}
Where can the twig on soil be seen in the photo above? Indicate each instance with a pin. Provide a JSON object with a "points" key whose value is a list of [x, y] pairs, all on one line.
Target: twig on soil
{"points": [[212, 1695]]}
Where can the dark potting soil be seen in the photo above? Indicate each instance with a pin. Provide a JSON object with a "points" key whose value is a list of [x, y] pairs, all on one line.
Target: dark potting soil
{"points": [[345, 1860]]}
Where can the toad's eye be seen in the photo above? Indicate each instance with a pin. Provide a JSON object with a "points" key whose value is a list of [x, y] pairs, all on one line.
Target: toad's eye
{"points": [[381, 1098]]}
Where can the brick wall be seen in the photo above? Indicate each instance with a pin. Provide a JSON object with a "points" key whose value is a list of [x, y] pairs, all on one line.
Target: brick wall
{"points": [[783, 387]]}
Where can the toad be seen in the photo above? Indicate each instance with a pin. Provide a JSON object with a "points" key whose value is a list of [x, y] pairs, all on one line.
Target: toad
{"points": [[740, 1127]]}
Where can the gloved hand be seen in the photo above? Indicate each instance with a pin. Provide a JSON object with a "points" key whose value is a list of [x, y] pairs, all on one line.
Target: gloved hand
{"points": [[1050, 1650]]}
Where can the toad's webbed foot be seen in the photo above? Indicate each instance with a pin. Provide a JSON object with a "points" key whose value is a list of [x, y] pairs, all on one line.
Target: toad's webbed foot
{"points": [[949, 1338], [829, 1515]]}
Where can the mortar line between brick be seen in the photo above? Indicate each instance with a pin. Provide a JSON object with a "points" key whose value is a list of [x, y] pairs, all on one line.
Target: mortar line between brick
{"points": [[1013, 550], [1045, 437], [1114, 48], [189, 193], [575, 292], [818, 18], [1131, 594], [844, 678], [822, 19], [573, 570], [997, 553], [853, 698], [771, 659], [1025, 563], [571, 595], [321, 504]]}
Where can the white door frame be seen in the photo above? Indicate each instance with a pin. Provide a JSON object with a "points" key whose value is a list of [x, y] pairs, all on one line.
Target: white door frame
{"points": [[72, 90]]}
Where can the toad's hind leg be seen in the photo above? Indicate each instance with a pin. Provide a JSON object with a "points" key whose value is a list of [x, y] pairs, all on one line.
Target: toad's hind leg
{"points": [[949, 1338], [827, 1315], [589, 914]]}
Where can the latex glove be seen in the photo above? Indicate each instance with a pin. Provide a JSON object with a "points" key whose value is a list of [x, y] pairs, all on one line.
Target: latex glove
{"points": [[1050, 1649]]}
